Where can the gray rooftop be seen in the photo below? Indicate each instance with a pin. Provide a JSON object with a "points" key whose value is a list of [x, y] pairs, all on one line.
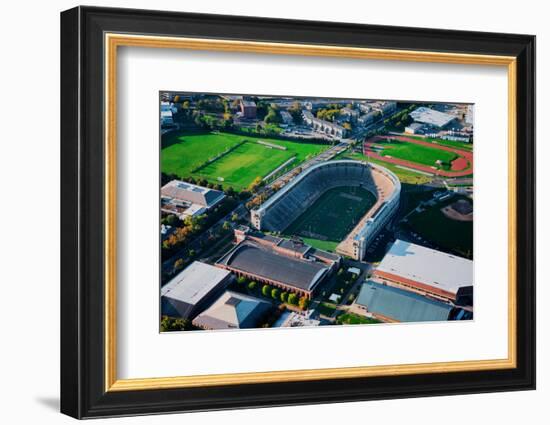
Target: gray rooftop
{"points": [[424, 265], [233, 311], [431, 116], [265, 262], [194, 282], [192, 193], [401, 305]]}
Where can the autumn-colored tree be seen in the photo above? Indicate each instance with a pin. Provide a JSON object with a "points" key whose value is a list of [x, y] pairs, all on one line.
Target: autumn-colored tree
{"points": [[178, 264]]}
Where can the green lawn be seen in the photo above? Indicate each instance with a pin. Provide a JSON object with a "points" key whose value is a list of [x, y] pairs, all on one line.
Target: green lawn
{"points": [[453, 235], [181, 154], [332, 216], [449, 143], [242, 165], [354, 319], [415, 153]]}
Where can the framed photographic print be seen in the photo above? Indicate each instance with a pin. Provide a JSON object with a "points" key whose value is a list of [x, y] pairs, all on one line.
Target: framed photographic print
{"points": [[261, 212]]}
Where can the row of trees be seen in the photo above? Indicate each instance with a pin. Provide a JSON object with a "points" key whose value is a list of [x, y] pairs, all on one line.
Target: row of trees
{"points": [[168, 324], [272, 292], [400, 119], [192, 226]]}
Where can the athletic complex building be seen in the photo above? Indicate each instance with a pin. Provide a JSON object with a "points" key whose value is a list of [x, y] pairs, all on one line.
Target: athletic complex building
{"points": [[283, 208], [289, 265], [425, 271]]}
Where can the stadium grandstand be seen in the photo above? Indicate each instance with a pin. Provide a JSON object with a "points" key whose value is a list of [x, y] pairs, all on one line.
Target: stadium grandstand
{"points": [[425, 271], [283, 208]]}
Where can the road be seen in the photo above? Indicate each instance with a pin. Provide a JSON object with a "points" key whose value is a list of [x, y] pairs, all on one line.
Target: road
{"points": [[195, 244]]}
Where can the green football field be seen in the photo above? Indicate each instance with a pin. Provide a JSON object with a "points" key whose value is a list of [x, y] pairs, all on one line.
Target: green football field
{"points": [[242, 165], [182, 154], [415, 153], [328, 221]]}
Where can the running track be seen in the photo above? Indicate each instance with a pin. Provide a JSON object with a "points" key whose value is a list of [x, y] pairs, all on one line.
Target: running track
{"points": [[425, 168]]}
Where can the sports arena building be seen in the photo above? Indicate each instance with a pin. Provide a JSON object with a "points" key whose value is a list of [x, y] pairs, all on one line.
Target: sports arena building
{"points": [[425, 271], [289, 265], [279, 211]]}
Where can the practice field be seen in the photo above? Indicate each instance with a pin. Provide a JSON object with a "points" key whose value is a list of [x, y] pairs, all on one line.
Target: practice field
{"points": [[416, 153], [328, 221], [242, 165], [235, 163], [453, 235]]}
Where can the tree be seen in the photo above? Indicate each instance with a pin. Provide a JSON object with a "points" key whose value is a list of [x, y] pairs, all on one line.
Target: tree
{"points": [[275, 293], [234, 217], [293, 299], [241, 280], [266, 290], [230, 191], [303, 303], [252, 286], [257, 183], [226, 226], [178, 264], [168, 324], [284, 297]]}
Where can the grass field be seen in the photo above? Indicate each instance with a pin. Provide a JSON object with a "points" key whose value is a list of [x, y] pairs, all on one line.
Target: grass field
{"points": [[416, 153], [354, 319], [442, 142], [453, 235], [326, 309], [244, 164], [332, 216], [406, 176], [181, 154]]}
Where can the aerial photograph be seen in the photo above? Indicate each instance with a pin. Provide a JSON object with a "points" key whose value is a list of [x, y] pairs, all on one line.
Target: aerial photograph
{"points": [[280, 211]]}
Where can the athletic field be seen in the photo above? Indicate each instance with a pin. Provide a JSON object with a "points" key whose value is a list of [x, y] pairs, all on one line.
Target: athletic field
{"points": [[236, 164], [329, 220], [416, 153], [453, 235]]}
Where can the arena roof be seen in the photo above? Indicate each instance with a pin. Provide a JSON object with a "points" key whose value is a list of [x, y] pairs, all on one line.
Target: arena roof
{"points": [[264, 262], [191, 193], [232, 310], [431, 116], [428, 266], [401, 305], [194, 282]]}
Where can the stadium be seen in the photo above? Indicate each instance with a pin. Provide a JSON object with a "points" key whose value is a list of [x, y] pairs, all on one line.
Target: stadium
{"points": [[358, 198]]}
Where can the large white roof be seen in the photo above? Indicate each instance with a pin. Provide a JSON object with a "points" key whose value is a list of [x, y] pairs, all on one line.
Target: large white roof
{"points": [[431, 116], [194, 282], [435, 268]]}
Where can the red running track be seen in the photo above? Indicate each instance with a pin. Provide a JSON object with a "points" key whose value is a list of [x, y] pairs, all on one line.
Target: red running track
{"points": [[460, 167]]}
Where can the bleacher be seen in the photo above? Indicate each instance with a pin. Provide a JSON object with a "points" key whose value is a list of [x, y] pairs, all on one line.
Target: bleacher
{"points": [[299, 195]]}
